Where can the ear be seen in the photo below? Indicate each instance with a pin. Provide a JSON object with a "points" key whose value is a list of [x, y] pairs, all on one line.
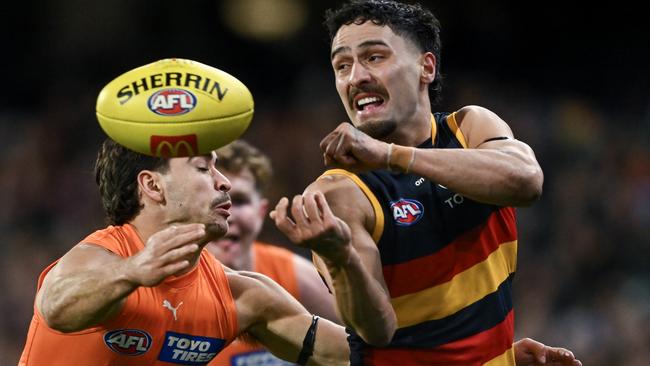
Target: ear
{"points": [[429, 65], [264, 208], [150, 186]]}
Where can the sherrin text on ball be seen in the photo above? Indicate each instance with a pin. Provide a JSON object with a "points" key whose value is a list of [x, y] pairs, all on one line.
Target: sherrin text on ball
{"points": [[174, 107]]}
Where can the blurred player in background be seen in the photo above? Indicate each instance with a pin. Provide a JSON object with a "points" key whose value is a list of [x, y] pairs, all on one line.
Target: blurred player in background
{"points": [[249, 172], [416, 232], [144, 292]]}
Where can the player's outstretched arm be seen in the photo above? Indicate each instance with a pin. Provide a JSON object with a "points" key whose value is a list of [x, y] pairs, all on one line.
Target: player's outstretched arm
{"points": [[278, 321], [89, 284], [495, 168], [529, 352], [337, 230]]}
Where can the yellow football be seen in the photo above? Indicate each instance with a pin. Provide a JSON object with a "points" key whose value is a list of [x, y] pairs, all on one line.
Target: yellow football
{"points": [[174, 107]]}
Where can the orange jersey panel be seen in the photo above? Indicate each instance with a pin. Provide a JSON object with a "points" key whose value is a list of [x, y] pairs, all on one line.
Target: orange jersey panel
{"points": [[185, 320]]}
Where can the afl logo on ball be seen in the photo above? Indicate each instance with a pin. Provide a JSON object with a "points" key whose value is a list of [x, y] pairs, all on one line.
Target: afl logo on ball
{"points": [[407, 212], [171, 102], [129, 342]]}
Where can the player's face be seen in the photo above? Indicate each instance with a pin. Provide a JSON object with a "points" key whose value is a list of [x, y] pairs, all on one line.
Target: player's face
{"points": [[248, 212], [195, 191], [377, 76]]}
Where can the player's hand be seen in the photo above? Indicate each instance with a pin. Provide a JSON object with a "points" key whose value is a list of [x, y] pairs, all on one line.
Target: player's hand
{"points": [[313, 225], [529, 352], [349, 148], [166, 253]]}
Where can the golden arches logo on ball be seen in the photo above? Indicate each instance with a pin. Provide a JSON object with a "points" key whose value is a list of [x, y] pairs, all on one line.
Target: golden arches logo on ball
{"points": [[174, 107]]}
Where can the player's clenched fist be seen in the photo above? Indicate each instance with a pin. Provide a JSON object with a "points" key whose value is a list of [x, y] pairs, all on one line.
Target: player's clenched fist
{"points": [[313, 225], [166, 253], [349, 148]]}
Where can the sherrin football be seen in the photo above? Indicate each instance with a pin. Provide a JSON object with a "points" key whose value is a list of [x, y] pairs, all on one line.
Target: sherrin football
{"points": [[174, 107]]}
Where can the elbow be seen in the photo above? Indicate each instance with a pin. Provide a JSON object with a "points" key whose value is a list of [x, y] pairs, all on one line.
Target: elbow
{"points": [[57, 319], [381, 337], [378, 339], [528, 186]]}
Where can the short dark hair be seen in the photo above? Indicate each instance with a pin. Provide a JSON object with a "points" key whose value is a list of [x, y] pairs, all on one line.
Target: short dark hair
{"points": [[414, 22], [240, 155], [116, 172]]}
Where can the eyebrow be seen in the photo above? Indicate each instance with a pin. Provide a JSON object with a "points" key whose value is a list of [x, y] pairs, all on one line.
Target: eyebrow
{"points": [[207, 158], [364, 44]]}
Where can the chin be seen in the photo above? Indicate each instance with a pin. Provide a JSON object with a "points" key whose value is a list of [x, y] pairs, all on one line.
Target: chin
{"points": [[216, 229], [377, 129]]}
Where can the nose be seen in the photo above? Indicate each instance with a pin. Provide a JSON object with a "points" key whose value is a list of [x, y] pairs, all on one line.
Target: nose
{"points": [[359, 74], [221, 183]]}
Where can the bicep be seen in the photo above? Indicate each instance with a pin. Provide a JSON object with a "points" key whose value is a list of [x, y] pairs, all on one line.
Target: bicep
{"points": [[481, 126], [483, 129], [269, 313], [281, 323], [79, 260]]}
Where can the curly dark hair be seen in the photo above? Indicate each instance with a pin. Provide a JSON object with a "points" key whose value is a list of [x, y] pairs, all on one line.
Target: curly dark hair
{"points": [[240, 155], [413, 22], [116, 172]]}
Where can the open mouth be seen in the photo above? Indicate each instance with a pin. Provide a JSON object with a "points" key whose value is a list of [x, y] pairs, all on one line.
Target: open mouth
{"points": [[368, 102]]}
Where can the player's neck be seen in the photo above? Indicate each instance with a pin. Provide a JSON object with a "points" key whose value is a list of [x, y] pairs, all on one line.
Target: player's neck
{"points": [[144, 228], [414, 131]]}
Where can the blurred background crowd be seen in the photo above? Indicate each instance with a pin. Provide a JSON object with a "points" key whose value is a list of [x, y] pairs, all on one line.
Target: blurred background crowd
{"points": [[573, 82]]}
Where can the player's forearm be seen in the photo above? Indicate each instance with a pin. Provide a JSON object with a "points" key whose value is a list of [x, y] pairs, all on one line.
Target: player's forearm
{"points": [[331, 346], [500, 177], [363, 303], [79, 301]]}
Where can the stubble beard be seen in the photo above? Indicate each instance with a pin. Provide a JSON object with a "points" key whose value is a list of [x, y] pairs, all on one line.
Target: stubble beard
{"points": [[379, 130]]}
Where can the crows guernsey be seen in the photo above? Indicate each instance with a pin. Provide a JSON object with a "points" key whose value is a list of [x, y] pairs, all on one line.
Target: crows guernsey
{"points": [[178, 79]]}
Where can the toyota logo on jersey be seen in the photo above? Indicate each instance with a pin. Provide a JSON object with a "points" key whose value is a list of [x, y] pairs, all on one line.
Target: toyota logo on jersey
{"points": [[172, 102], [129, 342], [406, 212]]}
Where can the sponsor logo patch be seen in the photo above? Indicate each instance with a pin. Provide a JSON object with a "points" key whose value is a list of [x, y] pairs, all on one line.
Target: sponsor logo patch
{"points": [[257, 358], [186, 349], [170, 146], [129, 342], [171, 102], [406, 212]]}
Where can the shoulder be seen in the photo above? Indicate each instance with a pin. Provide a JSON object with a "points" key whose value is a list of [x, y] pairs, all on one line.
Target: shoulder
{"points": [[249, 284], [347, 195], [478, 124], [258, 297], [336, 181], [120, 239]]}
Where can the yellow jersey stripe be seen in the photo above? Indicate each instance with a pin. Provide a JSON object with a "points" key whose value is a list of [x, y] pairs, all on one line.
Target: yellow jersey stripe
{"points": [[434, 130], [507, 358], [453, 126], [464, 289]]}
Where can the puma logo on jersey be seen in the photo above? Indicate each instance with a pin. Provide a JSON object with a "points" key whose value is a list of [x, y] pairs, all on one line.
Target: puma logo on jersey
{"points": [[406, 212], [168, 305]]}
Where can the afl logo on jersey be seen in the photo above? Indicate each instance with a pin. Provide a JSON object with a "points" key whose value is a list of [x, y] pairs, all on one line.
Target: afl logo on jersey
{"points": [[129, 342], [406, 212], [172, 102]]}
